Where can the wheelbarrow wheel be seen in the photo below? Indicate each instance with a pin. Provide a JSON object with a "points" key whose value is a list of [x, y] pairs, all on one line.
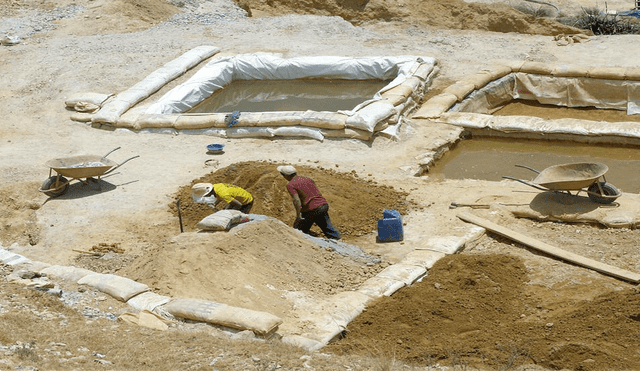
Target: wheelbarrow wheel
{"points": [[608, 191], [55, 186]]}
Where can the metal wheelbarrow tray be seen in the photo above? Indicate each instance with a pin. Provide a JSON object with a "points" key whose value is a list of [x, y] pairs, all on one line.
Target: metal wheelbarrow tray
{"points": [[77, 168], [578, 177]]}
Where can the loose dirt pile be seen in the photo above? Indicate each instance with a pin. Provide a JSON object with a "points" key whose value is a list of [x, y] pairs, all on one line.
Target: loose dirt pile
{"points": [[482, 311], [355, 204], [254, 265]]}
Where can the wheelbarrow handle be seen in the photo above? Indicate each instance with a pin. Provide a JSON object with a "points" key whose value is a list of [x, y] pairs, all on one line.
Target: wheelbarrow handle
{"points": [[526, 182], [122, 163], [530, 168], [110, 152]]}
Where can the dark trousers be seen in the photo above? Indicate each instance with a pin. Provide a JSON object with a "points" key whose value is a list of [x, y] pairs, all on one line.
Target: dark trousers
{"points": [[247, 208], [244, 208], [320, 217]]}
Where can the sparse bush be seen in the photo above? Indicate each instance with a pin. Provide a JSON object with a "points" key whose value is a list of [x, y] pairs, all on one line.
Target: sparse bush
{"points": [[535, 11], [601, 23]]}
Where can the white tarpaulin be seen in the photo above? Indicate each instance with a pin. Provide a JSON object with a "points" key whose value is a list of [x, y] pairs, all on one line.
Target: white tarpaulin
{"points": [[560, 91], [261, 66]]}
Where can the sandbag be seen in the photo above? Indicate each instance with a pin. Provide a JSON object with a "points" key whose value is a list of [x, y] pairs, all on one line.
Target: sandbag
{"points": [[297, 131], [155, 121], [261, 323], [323, 120], [435, 106], [147, 301], [460, 89], [423, 258], [370, 115], [377, 287], [95, 99], [406, 273], [564, 70], [221, 220], [249, 132], [611, 73], [120, 288], [347, 133], [538, 68], [279, 119], [81, 116], [211, 120], [66, 273], [145, 318]]}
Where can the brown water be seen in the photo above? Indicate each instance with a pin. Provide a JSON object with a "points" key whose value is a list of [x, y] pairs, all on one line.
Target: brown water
{"points": [[490, 159], [290, 95]]}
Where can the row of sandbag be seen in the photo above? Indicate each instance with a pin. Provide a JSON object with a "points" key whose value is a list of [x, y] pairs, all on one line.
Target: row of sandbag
{"points": [[138, 296]]}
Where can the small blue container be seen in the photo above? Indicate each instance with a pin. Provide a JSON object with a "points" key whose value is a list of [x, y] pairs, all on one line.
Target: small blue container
{"points": [[215, 147], [390, 228]]}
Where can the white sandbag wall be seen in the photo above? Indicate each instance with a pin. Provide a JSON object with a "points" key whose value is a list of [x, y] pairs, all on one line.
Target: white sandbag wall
{"points": [[410, 77]]}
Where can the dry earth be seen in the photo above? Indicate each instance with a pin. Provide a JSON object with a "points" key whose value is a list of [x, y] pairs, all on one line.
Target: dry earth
{"points": [[497, 305]]}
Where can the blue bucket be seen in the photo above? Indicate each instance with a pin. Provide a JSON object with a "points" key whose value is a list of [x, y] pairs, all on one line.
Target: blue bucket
{"points": [[390, 228]]}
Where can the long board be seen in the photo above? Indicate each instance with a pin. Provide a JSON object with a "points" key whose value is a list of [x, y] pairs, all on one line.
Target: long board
{"points": [[551, 250]]}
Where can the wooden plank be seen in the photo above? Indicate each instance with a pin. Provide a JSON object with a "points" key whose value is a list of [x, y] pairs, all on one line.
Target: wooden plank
{"points": [[551, 250]]}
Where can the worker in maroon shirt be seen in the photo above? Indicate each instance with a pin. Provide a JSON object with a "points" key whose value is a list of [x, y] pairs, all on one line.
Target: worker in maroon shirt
{"points": [[311, 207]]}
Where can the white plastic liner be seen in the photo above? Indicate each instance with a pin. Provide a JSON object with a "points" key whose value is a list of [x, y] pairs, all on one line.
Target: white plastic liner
{"points": [[404, 70], [575, 91]]}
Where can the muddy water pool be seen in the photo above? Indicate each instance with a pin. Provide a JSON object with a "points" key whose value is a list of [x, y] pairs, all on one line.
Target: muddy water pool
{"points": [[290, 95], [491, 158]]}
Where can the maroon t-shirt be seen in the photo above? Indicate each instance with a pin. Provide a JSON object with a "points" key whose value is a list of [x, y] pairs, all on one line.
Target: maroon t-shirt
{"points": [[310, 196]]}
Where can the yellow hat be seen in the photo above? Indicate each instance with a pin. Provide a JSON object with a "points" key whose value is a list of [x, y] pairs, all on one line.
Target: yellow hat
{"points": [[199, 190]]}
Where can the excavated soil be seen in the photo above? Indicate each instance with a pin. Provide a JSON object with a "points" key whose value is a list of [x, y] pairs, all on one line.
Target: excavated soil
{"points": [[355, 204], [482, 310]]}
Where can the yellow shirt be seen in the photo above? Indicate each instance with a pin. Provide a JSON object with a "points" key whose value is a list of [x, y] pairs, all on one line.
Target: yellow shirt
{"points": [[228, 193]]}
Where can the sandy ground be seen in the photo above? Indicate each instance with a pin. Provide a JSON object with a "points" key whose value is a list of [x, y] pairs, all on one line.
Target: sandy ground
{"points": [[106, 47]]}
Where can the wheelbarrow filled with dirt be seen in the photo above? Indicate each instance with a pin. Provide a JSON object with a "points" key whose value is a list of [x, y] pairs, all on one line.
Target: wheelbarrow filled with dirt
{"points": [[77, 168], [577, 177]]}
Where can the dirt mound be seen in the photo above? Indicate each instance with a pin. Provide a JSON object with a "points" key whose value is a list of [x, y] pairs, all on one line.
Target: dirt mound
{"points": [[480, 310], [254, 266], [449, 14], [355, 204]]}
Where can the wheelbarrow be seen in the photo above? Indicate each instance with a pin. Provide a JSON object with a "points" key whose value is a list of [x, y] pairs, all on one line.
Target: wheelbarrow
{"points": [[77, 168], [578, 177]]}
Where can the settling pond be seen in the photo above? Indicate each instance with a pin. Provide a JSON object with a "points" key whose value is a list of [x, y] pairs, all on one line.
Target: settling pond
{"points": [[487, 158]]}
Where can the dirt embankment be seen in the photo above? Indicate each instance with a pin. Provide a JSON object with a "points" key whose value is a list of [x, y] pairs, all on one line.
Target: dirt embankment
{"points": [[450, 14], [482, 311]]}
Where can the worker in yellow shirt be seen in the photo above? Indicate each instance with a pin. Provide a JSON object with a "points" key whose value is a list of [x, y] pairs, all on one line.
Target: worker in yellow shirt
{"points": [[213, 194]]}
